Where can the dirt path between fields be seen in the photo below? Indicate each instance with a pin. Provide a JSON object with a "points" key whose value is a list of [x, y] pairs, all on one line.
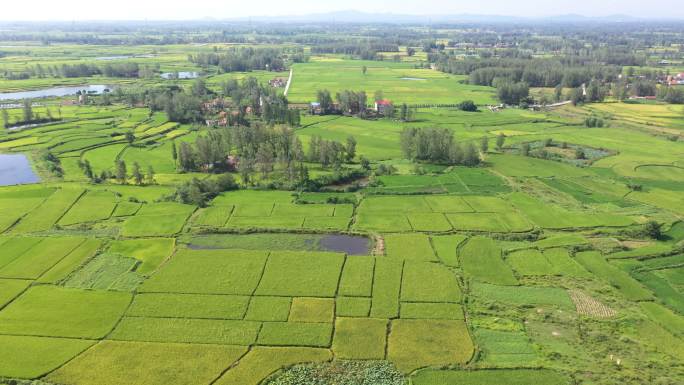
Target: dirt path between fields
{"points": [[289, 81]]}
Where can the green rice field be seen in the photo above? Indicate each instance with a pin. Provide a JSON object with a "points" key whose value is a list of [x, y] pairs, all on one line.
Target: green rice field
{"points": [[520, 270]]}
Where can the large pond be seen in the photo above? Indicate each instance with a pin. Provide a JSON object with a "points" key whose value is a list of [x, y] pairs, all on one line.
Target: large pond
{"points": [[16, 169], [123, 57], [352, 245], [349, 244], [54, 92], [180, 75]]}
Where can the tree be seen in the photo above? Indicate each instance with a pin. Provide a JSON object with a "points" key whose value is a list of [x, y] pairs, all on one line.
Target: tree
{"points": [[226, 182], [174, 151], [303, 175], [5, 118], [297, 149], [403, 112], [364, 69], [149, 178], [619, 90], [325, 100], [265, 159], [410, 51], [595, 92], [106, 99], [130, 137], [365, 163], [137, 174], [245, 168], [484, 144], [186, 157], [511, 93], [27, 110], [576, 96], [467, 105], [199, 88], [558, 93], [350, 148], [470, 156], [500, 140], [456, 154], [121, 174], [87, 169], [525, 149], [313, 153], [653, 230]]}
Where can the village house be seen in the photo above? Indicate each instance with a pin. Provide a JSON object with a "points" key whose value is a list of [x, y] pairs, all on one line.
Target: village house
{"points": [[315, 108], [277, 82], [214, 105], [382, 106]]}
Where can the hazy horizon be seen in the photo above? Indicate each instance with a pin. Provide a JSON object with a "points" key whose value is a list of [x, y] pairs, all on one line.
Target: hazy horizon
{"points": [[76, 10]]}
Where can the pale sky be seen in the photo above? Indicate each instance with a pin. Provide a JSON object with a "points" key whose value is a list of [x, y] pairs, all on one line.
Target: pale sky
{"points": [[15, 10]]}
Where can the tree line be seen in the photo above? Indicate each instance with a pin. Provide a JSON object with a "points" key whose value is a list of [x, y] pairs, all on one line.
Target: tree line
{"points": [[364, 51], [535, 72], [242, 59], [83, 70]]}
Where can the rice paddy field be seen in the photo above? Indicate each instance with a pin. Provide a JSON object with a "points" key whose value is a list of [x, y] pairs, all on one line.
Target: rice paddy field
{"points": [[520, 271]]}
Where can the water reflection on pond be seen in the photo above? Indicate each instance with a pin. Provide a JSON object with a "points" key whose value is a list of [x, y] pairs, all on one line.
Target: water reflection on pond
{"points": [[16, 169], [54, 92], [349, 244], [180, 75]]}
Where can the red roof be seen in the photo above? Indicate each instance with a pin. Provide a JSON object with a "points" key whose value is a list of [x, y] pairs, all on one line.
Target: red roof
{"points": [[384, 102]]}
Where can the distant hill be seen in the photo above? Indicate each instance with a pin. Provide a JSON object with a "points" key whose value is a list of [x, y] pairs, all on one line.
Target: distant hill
{"points": [[352, 16]]}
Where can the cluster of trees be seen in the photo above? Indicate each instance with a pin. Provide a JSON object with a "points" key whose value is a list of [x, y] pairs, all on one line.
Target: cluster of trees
{"points": [[510, 92], [365, 51], [356, 103], [594, 121], [121, 70], [28, 116], [52, 163], [121, 173], [255, 148], [404, 112], [568, 72], [348, 102], [242, 59], [592, 93], [186, 106], [437, 145], [673, 95], [467, 106], [82, 70], [179, 106], [259, 149], [275, 110], [352, 102], [200, 192], [262, 100], [330, 152], [209, 152]]}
